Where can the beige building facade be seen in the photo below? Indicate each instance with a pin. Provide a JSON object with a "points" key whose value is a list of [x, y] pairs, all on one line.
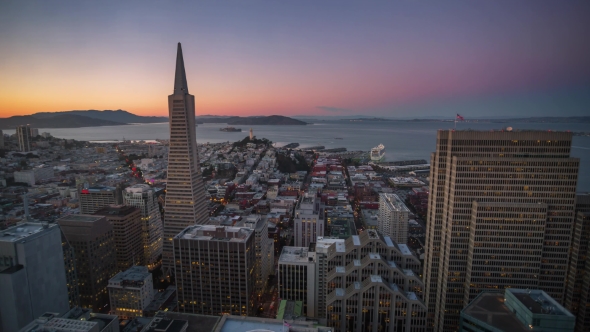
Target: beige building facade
{"points": [[185, 192], [501, 213], [143, 197]]}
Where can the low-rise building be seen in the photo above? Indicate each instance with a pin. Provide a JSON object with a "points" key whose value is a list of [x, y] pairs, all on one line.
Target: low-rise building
{"points": [[516, 310], [76, 320], [33, 176], [130, 292]]}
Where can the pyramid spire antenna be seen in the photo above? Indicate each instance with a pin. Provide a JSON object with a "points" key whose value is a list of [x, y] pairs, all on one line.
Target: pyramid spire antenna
{"points": [[180, 85]]}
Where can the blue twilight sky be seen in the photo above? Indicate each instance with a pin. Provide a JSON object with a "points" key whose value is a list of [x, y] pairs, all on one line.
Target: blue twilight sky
{"points": [[383, 58]]}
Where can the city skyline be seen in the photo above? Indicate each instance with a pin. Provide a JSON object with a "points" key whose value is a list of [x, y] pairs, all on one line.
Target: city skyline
{"points": [[299, 58]]}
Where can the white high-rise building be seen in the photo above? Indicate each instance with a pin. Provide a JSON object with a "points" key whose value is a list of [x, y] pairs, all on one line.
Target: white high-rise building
{"points": [[308, 222], [393, 217], [185, 192], [143, 197]]}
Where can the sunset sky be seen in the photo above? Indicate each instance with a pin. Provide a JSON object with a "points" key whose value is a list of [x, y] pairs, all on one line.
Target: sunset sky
{"points": [[385, 58]]}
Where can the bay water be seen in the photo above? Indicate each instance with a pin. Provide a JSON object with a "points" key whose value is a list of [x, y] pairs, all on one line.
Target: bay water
{"points": [[402, 140]]}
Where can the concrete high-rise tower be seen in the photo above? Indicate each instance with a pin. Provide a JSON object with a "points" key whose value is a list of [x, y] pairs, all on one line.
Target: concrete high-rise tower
{"points": [[251, 134], [93, 242], [185, 193], [32, 274], [501, 215], [394, 216], [23, 133], [143, 196]]}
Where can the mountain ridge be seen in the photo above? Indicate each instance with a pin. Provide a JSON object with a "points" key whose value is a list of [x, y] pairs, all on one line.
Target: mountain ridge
{"points": [[119, 115], [58, 121], [95, 118]]}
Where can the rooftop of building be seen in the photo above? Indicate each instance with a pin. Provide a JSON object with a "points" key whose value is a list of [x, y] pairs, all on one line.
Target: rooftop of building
{"points": [[116, 211], [342, 228], [61, 324], [23, 230], [489, 308], [133, 274], [98, 188], [215, 233], [323, 243], [80, 218], [294, 255], [102, 320], [139, 188], [77, 313], [290, 310], [393, 202], [160, 298], [243, 324], [167, 321], [538, 302]]}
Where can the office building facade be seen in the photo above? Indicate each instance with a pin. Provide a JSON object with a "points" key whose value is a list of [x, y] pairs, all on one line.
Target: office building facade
{"points": [[93, 242], [143, 197], [297, 277], [265, 258], [71, 272], [32, 274], [127, 234], [96, 197], [214, 269], [370, 283], [501, 212], [186, 203], [130, 292], [393, 217], [308, 223], [577, 296], [34, 176]]}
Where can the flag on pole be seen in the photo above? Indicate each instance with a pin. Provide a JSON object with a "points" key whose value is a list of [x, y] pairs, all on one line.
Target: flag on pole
{"points": [[459, 117]]}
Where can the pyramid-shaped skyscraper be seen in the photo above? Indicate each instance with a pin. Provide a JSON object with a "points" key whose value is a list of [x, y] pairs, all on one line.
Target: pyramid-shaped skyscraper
{"points": [[186, 203]]}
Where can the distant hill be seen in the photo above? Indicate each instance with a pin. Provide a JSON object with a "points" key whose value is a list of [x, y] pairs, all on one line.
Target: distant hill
{"points": [[93, 118], [274, 120], [546, 119], [108, 115], [57, 121], [556, 119], [366, 119]]}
